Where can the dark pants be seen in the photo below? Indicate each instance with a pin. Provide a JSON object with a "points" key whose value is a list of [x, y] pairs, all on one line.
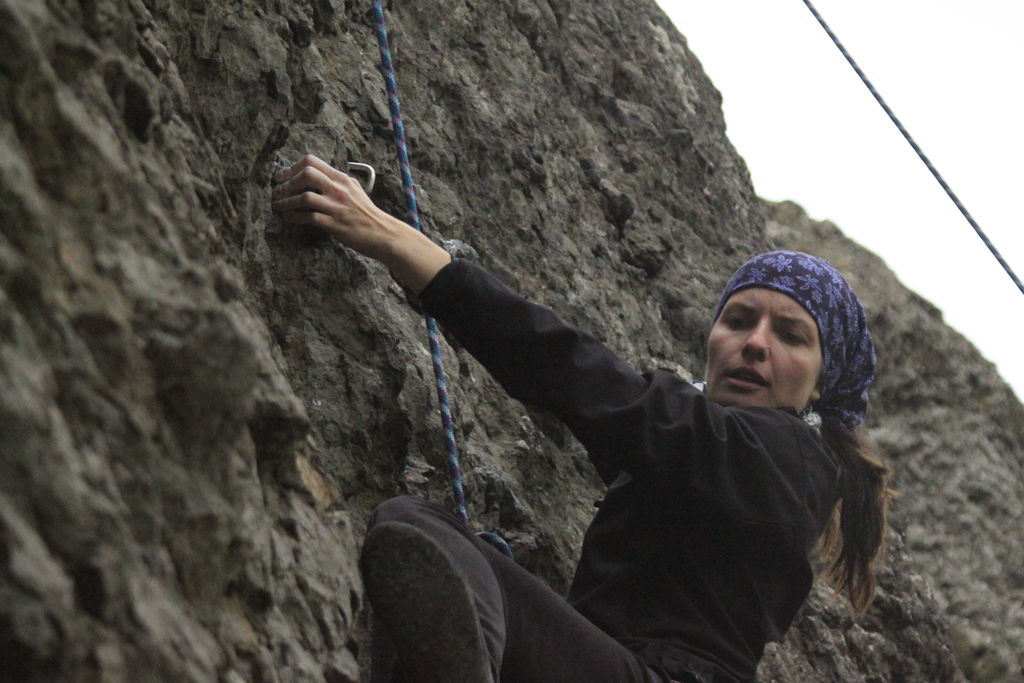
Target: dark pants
{"points": [[531, 632]]}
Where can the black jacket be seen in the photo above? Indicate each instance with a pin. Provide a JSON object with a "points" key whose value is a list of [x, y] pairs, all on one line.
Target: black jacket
{"points": [[698, 555]]}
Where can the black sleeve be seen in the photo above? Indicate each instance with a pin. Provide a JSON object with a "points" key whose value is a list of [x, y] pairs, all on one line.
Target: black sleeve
{"points": [[759, 464]]}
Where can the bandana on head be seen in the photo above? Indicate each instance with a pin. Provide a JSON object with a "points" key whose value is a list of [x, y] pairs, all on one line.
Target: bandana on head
{"points": [[848, 356]]}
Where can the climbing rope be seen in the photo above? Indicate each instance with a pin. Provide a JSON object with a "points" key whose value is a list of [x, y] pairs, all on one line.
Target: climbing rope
{"points": [[388, 71], [920, 153]]}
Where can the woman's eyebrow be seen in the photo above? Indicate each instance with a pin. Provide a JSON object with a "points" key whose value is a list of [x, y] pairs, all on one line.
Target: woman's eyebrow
{"points": [[795, 322], [792, 321], [736, 306]]}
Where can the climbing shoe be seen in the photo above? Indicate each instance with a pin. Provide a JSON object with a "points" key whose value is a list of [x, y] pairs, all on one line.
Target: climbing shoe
{"points": [[423, 601]]}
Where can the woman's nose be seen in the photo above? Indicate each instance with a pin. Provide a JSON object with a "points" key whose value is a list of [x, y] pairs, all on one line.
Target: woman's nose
{"points": [[757, 342]]}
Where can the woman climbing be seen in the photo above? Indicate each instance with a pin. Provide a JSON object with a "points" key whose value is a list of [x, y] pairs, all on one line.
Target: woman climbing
{"points": [[718, 497]]}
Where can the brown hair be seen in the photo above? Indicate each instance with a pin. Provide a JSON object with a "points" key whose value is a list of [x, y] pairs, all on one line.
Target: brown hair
{"points": [[854, 540]]}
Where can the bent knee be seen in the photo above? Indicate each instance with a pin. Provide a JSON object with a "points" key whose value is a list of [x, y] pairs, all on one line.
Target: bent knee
{"points": [[406, 509]]}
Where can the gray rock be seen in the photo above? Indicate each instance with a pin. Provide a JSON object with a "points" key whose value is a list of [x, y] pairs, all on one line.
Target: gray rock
{"points": [[199, 408], [955, 434]]}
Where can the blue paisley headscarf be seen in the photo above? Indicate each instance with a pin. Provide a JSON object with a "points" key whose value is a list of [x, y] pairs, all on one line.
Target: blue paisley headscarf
{"points": [[848, 356]]}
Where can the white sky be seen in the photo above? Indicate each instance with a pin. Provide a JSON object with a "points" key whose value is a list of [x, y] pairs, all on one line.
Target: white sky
{"points": [[952, 71]]}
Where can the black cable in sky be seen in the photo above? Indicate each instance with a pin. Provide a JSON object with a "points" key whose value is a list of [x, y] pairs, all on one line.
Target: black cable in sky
{"points": [[920, 152]]}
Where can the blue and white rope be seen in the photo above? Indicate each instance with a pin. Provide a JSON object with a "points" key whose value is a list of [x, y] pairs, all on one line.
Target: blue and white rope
{"points": [[388, 71]]}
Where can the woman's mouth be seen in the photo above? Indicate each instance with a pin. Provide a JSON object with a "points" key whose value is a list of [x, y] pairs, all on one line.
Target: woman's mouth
{"points": [[746, 378]]}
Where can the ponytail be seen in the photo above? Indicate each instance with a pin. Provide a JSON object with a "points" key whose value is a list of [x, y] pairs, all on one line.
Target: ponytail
{"points": [[854, 539]]}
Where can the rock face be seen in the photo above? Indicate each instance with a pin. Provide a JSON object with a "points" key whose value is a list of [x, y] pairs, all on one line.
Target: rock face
{"points": [[954, 432], [199, 408]]}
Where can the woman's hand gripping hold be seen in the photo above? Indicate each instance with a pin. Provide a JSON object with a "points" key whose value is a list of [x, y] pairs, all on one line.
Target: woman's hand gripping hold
{"points": [[312, 192]]}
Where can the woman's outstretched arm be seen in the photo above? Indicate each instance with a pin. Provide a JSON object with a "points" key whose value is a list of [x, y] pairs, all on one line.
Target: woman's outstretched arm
{"points": [[312, 192], [627, 421]]}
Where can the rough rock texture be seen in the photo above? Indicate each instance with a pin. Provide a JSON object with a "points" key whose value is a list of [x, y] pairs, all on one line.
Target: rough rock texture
{"points": [[198, 408], [955, 434]]}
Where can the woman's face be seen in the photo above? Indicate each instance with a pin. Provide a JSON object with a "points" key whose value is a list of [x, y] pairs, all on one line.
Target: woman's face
{"points": [[764, 351]]}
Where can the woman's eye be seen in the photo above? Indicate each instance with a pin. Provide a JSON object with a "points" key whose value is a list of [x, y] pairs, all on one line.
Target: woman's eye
{"points": [[792, 338]]}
